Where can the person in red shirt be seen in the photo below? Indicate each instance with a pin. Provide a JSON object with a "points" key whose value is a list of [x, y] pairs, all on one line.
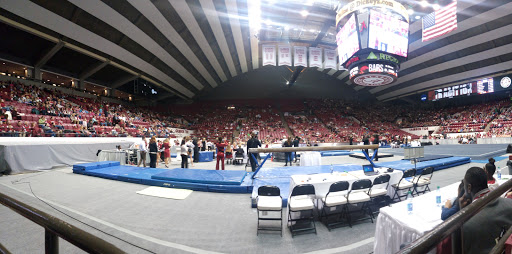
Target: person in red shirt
{"points": [[220, 153]]}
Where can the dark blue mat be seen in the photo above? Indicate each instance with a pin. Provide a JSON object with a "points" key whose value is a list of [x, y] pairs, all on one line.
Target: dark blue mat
{"points": [[96, 165], [437, 164], [219, 177], [140, 175], [205, 156]]}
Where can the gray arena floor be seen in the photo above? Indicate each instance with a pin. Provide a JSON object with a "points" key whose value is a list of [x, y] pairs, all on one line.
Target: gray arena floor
{"points": [[202, 223]]}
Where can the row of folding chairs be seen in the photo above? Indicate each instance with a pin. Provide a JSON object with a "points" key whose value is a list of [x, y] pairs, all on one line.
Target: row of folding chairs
{"points": [[363, 194], [335, 204], [416, 183]]}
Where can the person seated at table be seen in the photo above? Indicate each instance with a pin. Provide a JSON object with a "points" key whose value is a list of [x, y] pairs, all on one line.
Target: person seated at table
{"points": [[450, 208], [490, 168], [497, 214]]}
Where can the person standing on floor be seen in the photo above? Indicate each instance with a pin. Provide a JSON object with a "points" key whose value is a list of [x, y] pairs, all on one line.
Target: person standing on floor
{"points": [[203, 148], [184, 154], [296, 143], [153, 150], [190, 149], [288, 155], [220, 152], [366, 141], [167, 152], [143, 148], [253, 143], [376, 142], [196, 149]]}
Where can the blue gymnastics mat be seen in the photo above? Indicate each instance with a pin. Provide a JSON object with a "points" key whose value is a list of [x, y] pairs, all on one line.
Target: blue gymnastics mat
{"points": [[143, 175], [219, 177], [437, 164]]}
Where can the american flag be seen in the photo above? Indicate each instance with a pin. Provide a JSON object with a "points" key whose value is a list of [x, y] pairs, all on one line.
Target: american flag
{"points": [[440, 22]]}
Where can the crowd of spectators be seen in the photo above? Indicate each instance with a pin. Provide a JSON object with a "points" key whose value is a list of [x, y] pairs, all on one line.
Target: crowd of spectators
{"points": [[33, 111]]}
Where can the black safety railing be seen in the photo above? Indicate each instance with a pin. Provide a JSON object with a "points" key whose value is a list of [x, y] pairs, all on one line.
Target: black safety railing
{"points": [[453, 225], [55, 228]]}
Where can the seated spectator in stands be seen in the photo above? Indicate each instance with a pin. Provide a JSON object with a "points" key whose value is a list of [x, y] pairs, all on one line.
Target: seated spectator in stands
{"points": [[42, 122], [36, 130], [479, 232]]}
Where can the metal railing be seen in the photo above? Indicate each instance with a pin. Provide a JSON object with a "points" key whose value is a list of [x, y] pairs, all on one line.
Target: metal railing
{"points": [[452, 225], [55, 228]]}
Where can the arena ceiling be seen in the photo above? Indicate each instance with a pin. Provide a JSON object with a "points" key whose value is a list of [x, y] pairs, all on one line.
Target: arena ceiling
{"points": [[189, 47]]}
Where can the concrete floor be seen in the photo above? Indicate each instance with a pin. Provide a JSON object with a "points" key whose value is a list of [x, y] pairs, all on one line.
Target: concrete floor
{"points": [[202, 223]]}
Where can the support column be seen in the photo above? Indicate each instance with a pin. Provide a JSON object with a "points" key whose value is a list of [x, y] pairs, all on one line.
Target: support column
{"points": [[37, 75], [81, 84]]}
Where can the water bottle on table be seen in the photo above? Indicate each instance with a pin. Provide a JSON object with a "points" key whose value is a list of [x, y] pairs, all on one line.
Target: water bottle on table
{"points": [[438, 197], [499, 173], [409, 202]]}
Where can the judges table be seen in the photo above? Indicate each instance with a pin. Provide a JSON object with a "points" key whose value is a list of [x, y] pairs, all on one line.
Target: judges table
{"points": [[395, 226], [323, 181], [310, 158], [113, 155]]}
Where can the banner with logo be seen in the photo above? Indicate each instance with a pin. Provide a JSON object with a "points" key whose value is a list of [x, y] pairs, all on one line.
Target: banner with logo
{"points": [[300, 56], [269, 54], [285, 55], [315, 57], [330, 58]]}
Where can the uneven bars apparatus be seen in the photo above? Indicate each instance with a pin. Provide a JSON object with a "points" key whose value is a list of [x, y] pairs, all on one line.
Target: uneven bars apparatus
{"points": [[252, 151]]}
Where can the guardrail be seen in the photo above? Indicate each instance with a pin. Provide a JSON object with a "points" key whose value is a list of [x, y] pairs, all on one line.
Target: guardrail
{"points": [[55, 228], [452, 225]]}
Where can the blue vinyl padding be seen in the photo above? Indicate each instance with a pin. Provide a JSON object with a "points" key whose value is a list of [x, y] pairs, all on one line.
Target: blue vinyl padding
{"points": [[499, 158], [219, 177], [437, 164], [330, 153], [96, 165], [142, 175], [205, 156]]}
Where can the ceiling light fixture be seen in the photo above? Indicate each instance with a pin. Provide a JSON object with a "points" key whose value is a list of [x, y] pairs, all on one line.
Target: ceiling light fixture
{"points": [[436, 7], [424, 4], [286, 28], [418, 17], [304, 13], [410, 11]]}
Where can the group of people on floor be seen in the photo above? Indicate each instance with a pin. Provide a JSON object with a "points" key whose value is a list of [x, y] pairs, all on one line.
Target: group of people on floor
{"points": [[155, 149]]}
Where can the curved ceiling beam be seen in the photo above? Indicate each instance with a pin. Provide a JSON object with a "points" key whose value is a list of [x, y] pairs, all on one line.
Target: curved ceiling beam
{"points": [[108, 15], [213, 20], [154, 16], [39, 15], [232, 10], [186, 15]]}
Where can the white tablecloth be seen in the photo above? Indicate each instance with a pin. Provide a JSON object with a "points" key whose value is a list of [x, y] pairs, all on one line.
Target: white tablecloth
{"points": [[310, 159], [395, 226], [113, 155], [322, 182]]}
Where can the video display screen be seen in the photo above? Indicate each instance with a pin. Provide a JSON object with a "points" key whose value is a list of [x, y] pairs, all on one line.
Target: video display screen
{"points": [[388, 34], [452, 91], [347, 40], [485, 85]]}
